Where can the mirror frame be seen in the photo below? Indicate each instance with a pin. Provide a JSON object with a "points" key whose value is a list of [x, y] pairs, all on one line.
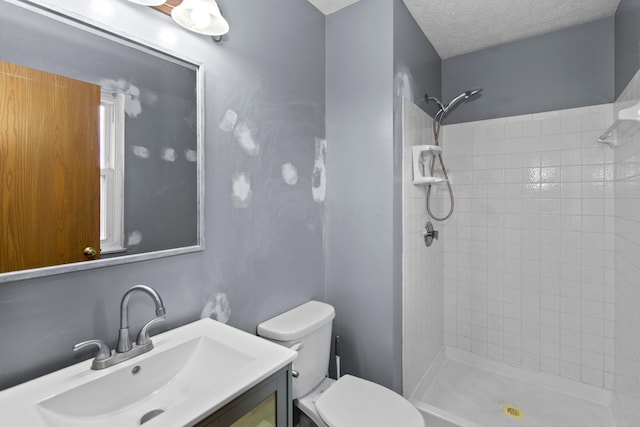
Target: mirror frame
{"points": [[67, 17]]}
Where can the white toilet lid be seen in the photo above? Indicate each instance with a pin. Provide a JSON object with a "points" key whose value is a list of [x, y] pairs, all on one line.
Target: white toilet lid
{"points": [[353, 401]]}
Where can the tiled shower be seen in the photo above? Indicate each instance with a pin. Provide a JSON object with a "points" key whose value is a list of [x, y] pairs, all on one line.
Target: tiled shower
{"points": [[529, 254], [537, 268], [627, 261]]}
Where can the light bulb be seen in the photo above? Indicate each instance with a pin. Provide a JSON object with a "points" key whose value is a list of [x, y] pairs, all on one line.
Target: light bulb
{"points": [[200, 18]]}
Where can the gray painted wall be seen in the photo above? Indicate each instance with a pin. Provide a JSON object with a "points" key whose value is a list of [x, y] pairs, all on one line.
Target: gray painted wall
{"points": [[627, 37], [372, 62], [564, 69], [418, 67], [265, 258], [361, 225]]}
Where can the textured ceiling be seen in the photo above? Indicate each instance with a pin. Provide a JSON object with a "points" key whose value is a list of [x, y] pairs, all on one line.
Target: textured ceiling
{"points": [[329, 6], [455, 27], [462, 26]]}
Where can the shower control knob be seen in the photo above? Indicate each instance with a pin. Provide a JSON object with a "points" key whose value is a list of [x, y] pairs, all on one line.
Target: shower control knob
{"points": [[429, 234]]}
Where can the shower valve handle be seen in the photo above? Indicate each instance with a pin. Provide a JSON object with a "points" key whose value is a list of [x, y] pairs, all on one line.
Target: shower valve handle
{"points": [[433, 233], [429, 234]]}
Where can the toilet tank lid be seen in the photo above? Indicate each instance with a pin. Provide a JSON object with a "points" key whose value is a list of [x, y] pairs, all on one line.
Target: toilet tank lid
{"points": [[297, 322]]}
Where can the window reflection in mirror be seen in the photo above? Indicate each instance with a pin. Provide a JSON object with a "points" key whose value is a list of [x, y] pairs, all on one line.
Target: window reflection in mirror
{"points": [[149, 128], [112, 118]]}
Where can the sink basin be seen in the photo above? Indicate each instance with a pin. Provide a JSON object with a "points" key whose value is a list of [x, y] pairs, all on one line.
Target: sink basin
{"points": [[192, 371], [164, 379]]}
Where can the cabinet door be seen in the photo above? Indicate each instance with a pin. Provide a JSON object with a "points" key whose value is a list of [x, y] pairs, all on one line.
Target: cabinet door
{"points": [[263, 415], [266, 405], [258, 407]]}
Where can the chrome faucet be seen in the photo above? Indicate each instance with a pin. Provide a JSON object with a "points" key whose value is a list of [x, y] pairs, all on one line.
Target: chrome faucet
{"points": [[124, 349], [124, 340]]}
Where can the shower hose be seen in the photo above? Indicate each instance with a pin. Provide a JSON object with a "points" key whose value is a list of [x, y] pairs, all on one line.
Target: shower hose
{"points": [[436, 135]]}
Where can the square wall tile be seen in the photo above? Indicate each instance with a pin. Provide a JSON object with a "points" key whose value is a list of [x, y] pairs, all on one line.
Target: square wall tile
{"points": [[532, 248]]}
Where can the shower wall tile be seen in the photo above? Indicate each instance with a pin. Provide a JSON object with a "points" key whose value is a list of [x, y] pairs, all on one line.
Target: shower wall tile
{"points": [[424, 320], [528, 253], [623, 357]]}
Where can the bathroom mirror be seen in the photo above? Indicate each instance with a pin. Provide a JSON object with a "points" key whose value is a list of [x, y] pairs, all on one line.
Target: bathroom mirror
{"points": [[137, 194]]}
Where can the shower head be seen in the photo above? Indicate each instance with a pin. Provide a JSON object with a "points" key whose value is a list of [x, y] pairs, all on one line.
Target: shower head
{"points": [[462, 97], [476, 91], [444, 109]]}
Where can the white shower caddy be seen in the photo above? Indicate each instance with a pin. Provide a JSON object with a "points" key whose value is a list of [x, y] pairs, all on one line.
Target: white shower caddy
{"points": [[421, 175]]}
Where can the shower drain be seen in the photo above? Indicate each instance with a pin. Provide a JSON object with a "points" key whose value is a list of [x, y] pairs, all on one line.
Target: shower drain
{"points": [[512, 411]]}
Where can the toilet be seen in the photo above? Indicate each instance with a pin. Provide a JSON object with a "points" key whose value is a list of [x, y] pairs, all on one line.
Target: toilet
{"points": [[347, 402]]}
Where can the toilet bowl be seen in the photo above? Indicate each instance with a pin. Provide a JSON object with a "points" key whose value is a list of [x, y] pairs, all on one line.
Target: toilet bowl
{"points": [[346, 402]]}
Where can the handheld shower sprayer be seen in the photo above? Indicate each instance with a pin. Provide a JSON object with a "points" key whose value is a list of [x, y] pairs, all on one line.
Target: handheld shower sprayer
{"points": [[437, 123], [445, 109]]}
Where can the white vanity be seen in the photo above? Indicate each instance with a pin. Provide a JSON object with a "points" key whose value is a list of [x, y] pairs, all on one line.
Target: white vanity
{"points": [[202, 374]]}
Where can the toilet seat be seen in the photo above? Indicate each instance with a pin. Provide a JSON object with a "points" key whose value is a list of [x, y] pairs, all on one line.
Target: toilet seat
{"points": [[352, 401]]}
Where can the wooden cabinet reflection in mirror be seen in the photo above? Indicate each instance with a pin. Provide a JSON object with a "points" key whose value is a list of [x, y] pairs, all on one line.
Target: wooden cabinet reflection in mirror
{"points": [[49, 168]]}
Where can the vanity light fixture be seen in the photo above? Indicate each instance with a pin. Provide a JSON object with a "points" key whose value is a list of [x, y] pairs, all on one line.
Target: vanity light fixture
{"points": [[148, 2], [201, 16]]}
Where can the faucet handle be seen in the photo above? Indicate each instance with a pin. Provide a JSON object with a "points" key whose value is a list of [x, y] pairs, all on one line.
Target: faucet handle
{"points": [[143, 335], [104, 352]]}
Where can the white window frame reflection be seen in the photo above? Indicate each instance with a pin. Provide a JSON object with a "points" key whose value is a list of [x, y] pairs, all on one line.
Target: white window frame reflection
{"points": [[111, 172]]}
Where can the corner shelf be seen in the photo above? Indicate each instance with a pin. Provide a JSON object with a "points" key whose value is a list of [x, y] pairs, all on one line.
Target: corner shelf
{"points": [[631, 114], [420, 176], [428, 180]]}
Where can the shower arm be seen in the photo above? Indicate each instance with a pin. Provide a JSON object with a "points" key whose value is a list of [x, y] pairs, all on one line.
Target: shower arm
{"points": [[440, 112], [443, 109], [436, 100]]}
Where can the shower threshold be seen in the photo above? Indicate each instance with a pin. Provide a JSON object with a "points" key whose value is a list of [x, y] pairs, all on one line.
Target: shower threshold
{"points": [[466, 390]]}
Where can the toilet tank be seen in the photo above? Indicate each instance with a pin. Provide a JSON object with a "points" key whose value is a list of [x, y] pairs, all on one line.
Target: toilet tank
{"points": [[308, 327]]}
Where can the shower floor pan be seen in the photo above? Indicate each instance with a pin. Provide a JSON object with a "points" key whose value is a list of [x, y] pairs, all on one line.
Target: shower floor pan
{"points": [[469, 391]]}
